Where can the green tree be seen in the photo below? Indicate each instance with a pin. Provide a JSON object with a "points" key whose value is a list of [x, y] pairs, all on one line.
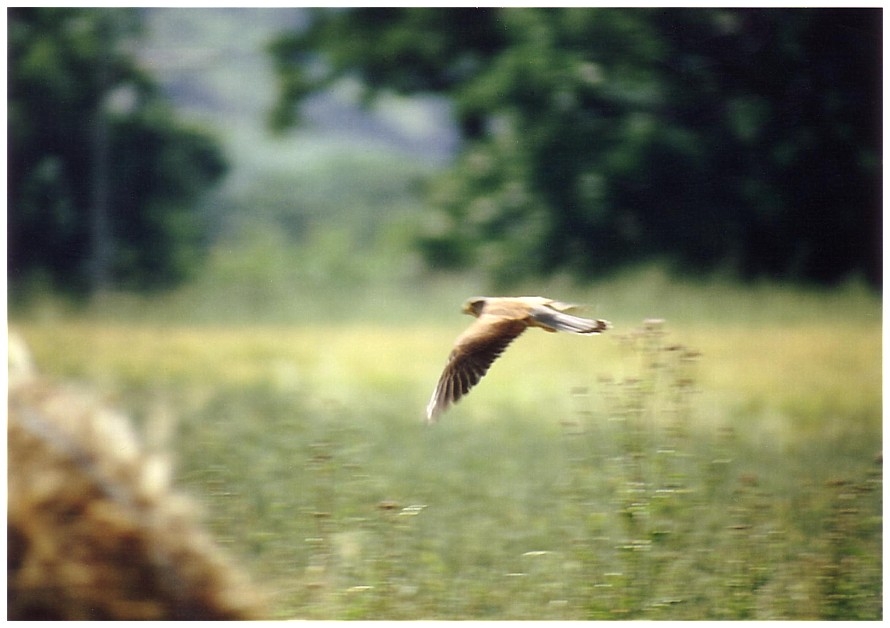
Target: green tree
{"points": [[712, 138], [102, 177]]}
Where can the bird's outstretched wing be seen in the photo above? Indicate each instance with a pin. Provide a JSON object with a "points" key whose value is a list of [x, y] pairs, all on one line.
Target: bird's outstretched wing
{"points": [[474, 352]]}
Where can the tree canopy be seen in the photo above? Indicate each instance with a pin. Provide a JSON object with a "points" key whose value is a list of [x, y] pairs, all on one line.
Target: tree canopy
{"points": [[102, 176], [742, 140]]}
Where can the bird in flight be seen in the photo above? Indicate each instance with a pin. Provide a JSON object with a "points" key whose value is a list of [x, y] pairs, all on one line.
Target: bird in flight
{"points": [[499, 320]]}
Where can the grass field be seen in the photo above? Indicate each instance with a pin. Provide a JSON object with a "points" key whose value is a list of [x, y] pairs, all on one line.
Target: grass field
{"points": [[723, 464]]}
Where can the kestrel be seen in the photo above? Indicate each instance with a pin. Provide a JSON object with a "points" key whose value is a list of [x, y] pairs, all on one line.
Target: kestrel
{"points": [[499, 320]]}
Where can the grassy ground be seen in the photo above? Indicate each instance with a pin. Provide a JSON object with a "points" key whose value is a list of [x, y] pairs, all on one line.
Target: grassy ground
{"points": [[719, 465]]}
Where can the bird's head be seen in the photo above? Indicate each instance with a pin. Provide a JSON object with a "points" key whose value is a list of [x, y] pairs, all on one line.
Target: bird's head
{"points": [[473, 306]]}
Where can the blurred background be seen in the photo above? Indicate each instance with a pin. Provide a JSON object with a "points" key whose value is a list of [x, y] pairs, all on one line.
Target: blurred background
{"points": [[265, 221], [262, 152]]}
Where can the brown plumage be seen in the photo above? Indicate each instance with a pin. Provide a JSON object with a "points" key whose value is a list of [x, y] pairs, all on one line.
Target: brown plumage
{"points": [[499, 320]]}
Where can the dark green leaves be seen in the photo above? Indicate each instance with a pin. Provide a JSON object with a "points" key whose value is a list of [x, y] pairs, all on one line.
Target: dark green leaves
{"points": [[743, 140]]}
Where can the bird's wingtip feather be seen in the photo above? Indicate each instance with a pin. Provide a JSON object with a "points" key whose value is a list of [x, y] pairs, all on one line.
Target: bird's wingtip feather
{"points": [[432, 409]]}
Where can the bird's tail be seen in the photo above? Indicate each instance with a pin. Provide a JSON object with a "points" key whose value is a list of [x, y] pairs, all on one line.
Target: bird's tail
{"points": [[560, 321]]}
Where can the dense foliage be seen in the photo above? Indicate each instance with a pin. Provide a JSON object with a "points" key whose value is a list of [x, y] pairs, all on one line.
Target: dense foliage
{"points": [[744, 140], [103, 178]]}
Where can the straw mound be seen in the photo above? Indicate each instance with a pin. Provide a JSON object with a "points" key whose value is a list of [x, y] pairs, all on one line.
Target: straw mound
{"points": [[95, 530]]}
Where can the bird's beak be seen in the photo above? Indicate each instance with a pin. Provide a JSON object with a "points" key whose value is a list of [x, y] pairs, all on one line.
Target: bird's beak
{"points": [[471, 307]]}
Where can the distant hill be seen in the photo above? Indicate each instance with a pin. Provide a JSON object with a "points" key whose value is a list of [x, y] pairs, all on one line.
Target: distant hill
{"points": [[339, 196], [213, 65]]}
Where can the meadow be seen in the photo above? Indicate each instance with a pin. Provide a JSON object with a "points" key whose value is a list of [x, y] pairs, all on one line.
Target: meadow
{"points": [[721, 463], [716, 455]]}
